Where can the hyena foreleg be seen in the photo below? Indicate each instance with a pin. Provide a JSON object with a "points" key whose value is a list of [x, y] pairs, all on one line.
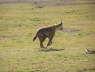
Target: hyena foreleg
{"points": [[50, 41]]}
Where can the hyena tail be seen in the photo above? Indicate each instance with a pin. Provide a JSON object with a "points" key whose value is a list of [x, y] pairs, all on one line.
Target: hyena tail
{"points": [[35, 37]]}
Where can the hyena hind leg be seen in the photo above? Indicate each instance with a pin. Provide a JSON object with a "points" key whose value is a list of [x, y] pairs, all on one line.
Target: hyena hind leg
{"points": [[41, 39]]}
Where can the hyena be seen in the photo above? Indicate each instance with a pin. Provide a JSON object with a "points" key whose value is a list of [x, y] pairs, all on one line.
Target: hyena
{"points": [[47, 32]]}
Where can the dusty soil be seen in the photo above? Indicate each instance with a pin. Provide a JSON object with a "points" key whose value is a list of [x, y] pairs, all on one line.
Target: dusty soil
{"points": [[41, 3]]}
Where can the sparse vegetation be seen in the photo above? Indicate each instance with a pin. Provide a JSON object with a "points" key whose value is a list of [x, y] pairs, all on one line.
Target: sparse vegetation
{"points": [[18, 25]]}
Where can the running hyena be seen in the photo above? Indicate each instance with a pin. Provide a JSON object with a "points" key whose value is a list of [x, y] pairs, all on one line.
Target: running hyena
{"points": [[47, 32]]}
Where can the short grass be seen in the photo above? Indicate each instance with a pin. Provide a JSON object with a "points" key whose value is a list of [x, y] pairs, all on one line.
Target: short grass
{"points": [[18, 25]]}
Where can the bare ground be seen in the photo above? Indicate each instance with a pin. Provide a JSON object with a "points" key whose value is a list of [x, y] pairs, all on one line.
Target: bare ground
{"points": [[42, 3]]}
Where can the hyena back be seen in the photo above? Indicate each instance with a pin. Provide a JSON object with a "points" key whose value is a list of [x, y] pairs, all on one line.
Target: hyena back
{"points": [[47, 32]]}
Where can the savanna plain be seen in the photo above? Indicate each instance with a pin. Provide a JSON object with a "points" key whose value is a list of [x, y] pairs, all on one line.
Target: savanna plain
{"points": [[19, 23]]}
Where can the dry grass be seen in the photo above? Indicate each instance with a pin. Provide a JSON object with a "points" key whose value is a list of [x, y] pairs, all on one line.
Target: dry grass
{"points": [[18, 25]]}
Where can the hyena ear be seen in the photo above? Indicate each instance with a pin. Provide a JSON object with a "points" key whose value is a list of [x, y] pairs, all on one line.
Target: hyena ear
{"points": [[61, 23]]}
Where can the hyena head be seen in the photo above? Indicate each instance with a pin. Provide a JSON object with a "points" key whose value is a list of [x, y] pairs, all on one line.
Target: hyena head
{"points": [[59, 26]]}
